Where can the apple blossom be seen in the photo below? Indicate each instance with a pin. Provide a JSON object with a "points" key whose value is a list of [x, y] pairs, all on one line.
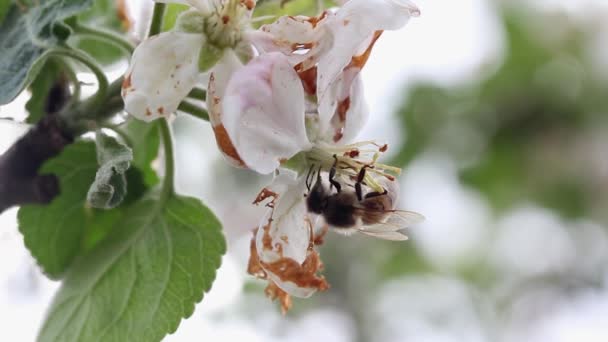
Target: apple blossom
{"points": [[327, 54], [164, 68], [297, 105], [265, 114]]}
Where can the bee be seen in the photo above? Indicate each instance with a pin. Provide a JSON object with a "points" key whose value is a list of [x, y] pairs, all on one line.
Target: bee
{"points": [[346, 211]]}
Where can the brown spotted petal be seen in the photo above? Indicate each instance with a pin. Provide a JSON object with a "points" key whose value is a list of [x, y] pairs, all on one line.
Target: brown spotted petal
{"points": [[297, 37], [163, 70], [352, 29], [348, 105], [284, 243], [218, 80]]}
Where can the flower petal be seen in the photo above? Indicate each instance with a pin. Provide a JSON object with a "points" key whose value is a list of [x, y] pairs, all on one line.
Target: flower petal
{"points": [[352, 30], [283, 242], [263, 112], [346, 101], [163, 70], [218, 80], [285, 231], [294, 36]]}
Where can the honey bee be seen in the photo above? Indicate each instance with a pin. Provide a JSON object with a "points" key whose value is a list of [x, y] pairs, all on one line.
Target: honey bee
{"points": [[346, 211]]}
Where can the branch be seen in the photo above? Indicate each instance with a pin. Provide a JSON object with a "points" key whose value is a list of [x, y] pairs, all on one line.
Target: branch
{"points": [[20, 182]]}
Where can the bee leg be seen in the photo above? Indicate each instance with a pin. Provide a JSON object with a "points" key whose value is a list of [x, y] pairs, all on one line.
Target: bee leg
{"points": [[332, 174], [360, 179], [375, 194], [309, 176]]}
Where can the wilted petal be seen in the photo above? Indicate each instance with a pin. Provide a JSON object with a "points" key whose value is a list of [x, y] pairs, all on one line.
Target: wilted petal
{"points": [[294, 36], [288, 234], [163, 70], [263, 112], [284, 244]]}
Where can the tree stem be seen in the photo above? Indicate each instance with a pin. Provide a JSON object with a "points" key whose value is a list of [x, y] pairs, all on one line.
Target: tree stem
{"points": [[20, 182]]}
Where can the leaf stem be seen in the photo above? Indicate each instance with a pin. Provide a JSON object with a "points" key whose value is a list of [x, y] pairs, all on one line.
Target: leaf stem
{"points": [[168, 182], [165, 129], [157, 19], [102, 81], [198, 94], [71, 74], [194, 110], [105, 36]]}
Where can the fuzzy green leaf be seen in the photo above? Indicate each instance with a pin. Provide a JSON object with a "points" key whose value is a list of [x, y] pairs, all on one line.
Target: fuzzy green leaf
{"points": [[110, 185], [143, 279], [27, 31]]}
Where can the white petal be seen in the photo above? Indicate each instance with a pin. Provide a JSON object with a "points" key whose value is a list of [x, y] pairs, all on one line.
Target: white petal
{"points": [[263, 112], [286, 235], [218, 80], [351, 27], [299, 38], [221, 74], [163, 70], [345, 104], [289, 228], [357, 113]]}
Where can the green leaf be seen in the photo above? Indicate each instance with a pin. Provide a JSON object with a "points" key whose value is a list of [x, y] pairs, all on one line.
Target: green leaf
{"points": [[110, 185], [144, 140], [53, 233], [40, 89], [139, 283], [26, 33]]}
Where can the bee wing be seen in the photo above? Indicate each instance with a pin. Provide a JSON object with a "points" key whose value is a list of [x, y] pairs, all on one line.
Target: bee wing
{"points": [[404, 218], [389, 230], [386, 235]]}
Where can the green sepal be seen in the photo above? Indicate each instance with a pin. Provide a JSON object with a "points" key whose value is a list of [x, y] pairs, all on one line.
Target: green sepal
{"points": [[210, 55]]}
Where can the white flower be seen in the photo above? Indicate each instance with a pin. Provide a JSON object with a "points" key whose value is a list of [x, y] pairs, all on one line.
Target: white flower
{"points": [[299, 102], [261, 124], [263, 113], [330, 50], [164, 68]]}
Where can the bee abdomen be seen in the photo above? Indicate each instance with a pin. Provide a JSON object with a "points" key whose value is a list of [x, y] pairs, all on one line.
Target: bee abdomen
{"points": [[375, 209]]}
